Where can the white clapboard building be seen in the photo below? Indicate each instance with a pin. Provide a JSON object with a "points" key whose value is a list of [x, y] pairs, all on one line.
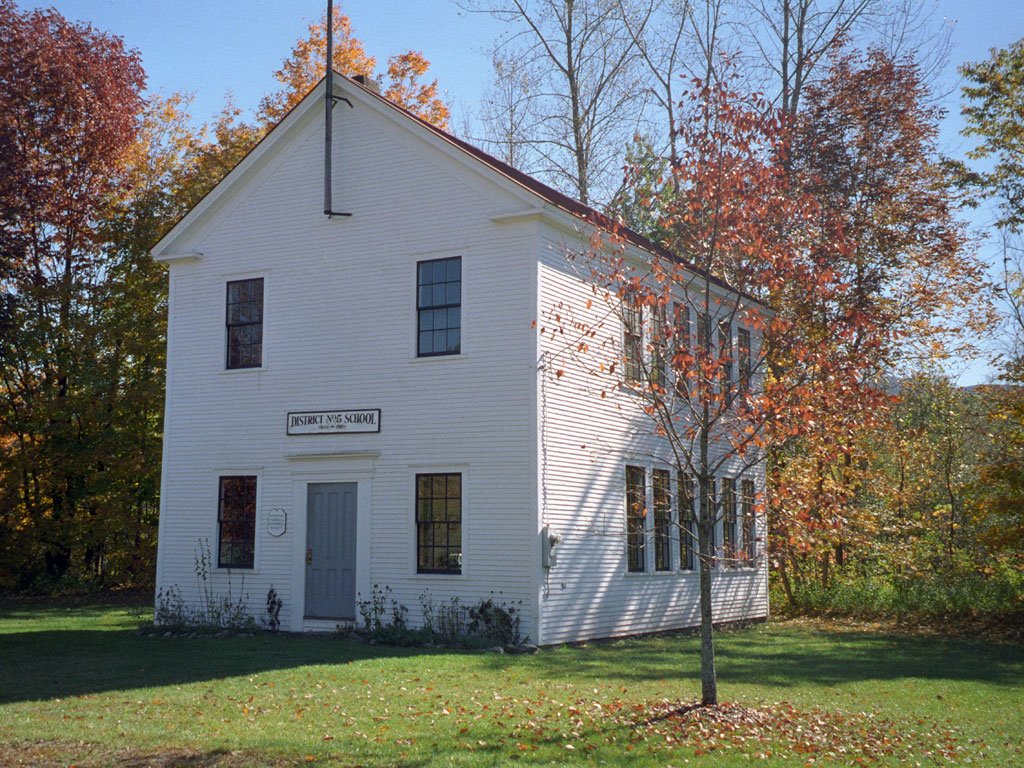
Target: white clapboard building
{"points": [[361, 400]]}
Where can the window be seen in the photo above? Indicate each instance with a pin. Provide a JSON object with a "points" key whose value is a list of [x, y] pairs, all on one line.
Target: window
{"points": [[662, 504], [687, 525], [439, 523], [748, 496], [245, 323], [681, 348], [725, 357], [632, 341], [658, 343], [703, 347], [729, 542], [636, 513], [743, 344], [439, 307], [236, 522], [712, 513]]}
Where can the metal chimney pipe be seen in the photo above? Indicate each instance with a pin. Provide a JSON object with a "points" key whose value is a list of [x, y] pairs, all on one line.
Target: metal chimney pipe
{"points": [[329, 99]]}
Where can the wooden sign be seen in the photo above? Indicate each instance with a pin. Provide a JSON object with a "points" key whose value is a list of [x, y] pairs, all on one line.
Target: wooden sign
{"points": [[333, 422]]}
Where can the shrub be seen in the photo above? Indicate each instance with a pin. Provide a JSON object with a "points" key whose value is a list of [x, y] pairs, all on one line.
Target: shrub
{"points": [[450, 623]]}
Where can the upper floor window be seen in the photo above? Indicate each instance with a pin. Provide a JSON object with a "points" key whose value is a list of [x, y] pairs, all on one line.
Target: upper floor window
{"points": [[439, 307], [245, 323], [725, 356], [660, 335], [236, 522], [681, 360], [633, 340], [744, 355]]}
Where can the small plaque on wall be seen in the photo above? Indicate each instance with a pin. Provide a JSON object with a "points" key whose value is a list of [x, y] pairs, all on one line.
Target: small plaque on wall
{"points": [[277, 522]]}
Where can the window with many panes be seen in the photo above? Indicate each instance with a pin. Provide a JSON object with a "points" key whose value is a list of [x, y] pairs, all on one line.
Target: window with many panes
{"points": [[748, 508], [661, 491], [658, 340], [681, 360], [245, 323], [729, 532], [236, 522], [439, 523], [712, 509], [636, 514], [439, 307], [725, 360], [633, 341], [743, 352], [687, 525], [704, 351]]}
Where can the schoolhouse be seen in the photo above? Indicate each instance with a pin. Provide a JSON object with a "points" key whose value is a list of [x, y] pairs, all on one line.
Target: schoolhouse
{"points": [[362, 399]]}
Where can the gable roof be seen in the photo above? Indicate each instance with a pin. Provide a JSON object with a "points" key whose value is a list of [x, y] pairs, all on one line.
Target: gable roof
{"points": [[556, 198], [548, 194]]}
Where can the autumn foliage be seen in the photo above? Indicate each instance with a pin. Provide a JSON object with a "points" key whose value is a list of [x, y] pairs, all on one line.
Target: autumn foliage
{"points": [[70, 104], [305, 67]]}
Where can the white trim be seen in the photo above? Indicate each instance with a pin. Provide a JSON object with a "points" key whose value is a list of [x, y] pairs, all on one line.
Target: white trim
{"points": [[335, 455], [189, 257]]}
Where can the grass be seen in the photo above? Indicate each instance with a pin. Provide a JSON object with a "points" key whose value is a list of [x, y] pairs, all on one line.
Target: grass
{"points": [[77, 686]]}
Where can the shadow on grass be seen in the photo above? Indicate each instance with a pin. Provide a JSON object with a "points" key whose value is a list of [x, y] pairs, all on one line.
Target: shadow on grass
{"points": [[61, 663], [48, 653], [783, 658]]}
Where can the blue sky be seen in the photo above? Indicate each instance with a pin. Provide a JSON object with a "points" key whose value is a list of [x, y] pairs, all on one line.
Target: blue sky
{"points": [[210, 47]]}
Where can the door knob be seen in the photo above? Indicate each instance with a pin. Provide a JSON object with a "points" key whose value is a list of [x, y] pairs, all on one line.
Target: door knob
{"points": [[309, 556]]}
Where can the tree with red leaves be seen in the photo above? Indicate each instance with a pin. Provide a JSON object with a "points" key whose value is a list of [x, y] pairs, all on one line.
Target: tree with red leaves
{"points": [[913, 290], [70, 104], [711, 348]]}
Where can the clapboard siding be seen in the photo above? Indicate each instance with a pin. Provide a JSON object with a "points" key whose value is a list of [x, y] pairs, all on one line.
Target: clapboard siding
{"points": [[535, 449], [339, 332], [586, 441]]}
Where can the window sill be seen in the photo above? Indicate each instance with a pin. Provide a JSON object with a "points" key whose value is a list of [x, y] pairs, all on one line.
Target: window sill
{"points": [[436, 358], [240, 371], [442, 576], [658, 574]]}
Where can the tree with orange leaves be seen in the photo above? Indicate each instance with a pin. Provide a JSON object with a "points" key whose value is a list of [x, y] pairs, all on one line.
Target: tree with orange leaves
{"points": [[405, 89], [865, 144], [304, 68], [706, 352]]}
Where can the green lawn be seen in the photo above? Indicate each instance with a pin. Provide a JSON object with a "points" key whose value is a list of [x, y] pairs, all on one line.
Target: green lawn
{"points": [[77, 686]]}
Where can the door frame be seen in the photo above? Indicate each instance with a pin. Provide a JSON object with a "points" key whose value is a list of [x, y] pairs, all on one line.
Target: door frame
{"points": [[310, 469]]}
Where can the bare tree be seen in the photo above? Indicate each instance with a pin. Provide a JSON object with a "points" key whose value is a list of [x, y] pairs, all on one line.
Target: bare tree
{"points": [[506, 110], [790, 39], [581, 88], [674, 39]]}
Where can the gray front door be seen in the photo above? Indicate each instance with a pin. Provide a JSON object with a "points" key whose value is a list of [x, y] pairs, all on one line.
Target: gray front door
{"points": [[331, 551]]}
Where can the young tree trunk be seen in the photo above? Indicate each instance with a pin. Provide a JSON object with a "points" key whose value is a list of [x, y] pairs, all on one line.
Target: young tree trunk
{"points": [[708, 675]]}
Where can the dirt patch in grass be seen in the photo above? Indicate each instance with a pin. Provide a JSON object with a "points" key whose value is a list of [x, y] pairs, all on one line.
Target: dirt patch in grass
{"points": [[50, 754]]}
